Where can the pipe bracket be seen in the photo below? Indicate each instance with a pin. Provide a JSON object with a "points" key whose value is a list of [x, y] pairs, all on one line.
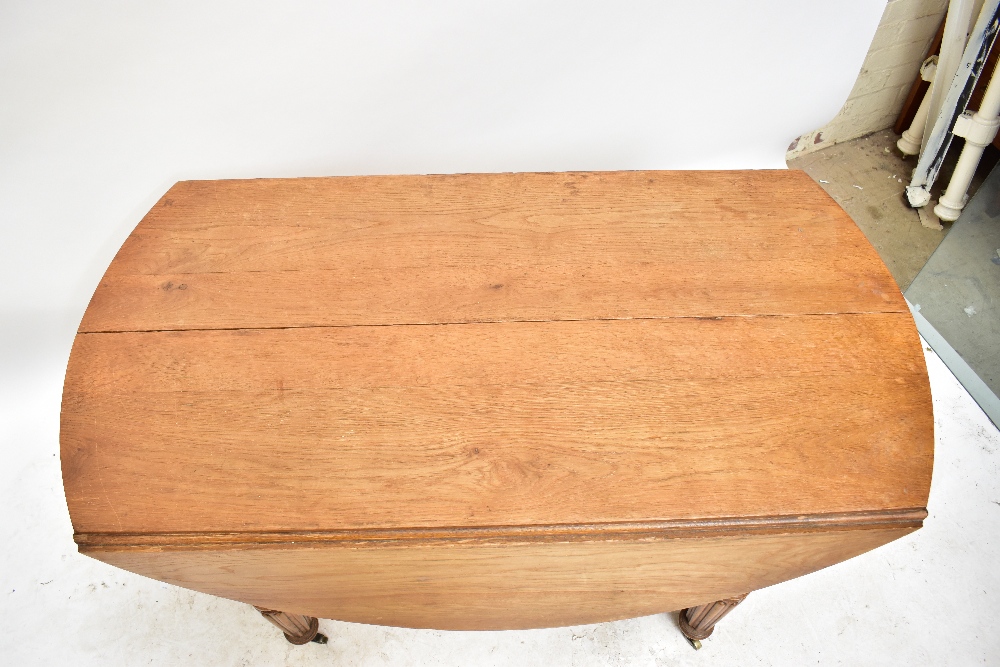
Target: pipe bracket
{"points": [[976, 129]]}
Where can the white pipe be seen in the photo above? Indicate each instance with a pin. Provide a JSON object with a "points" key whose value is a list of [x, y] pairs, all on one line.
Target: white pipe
{"points": [[956, 32], [937, 143], [909, 142], [979, 130]]}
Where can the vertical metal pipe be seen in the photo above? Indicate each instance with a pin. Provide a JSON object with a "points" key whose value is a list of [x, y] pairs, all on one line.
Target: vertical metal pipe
{"points": [[979, 129]]}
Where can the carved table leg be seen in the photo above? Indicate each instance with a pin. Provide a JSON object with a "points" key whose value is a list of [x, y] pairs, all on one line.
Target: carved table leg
{"points": [[698, 622], [298, 629]]}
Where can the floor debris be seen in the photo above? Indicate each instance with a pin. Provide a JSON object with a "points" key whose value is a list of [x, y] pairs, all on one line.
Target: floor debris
{"points": [[928, 218]]}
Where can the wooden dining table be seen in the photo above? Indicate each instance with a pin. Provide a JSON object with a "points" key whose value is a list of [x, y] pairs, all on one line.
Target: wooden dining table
{"points": [[494, 401]]}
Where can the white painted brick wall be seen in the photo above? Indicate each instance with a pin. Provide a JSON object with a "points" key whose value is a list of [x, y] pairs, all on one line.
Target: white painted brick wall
{"points": [[893, 62]]}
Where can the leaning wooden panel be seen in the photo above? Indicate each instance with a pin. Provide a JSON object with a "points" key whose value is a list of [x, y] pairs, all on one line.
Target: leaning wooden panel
{"points": [[494, 400]]}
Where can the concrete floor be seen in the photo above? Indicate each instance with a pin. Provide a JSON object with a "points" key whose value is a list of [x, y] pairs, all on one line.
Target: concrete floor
{"points": [[867, 177]]}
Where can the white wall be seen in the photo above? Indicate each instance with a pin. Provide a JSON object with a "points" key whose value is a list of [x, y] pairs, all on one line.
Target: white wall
{"points": [[106, 104], [892, 65]]}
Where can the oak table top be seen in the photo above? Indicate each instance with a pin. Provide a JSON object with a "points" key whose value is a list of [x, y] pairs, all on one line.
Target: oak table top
{"points": [[494, 400]]}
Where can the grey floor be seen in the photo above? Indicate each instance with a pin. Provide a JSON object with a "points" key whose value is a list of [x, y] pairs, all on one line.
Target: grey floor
{"points": [[867, 177], [958, 290]]}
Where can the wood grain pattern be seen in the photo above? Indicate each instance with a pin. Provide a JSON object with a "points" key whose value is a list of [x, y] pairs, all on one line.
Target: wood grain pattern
{"points": [[462, 586], [489, 247], [494, 400], [299, 429], [697, 623]]}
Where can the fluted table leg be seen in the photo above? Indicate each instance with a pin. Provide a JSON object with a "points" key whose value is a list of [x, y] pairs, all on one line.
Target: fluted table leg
{"points": [[298, 629], [698, 622]]}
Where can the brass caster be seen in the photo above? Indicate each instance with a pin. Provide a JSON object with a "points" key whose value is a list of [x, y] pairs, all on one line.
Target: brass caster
{"points": [[320, 638], [695, 643]]}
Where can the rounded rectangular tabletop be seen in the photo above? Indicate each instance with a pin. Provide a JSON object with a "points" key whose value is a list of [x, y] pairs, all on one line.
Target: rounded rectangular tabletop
{"points": [[480, 350], [501, 360]]}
